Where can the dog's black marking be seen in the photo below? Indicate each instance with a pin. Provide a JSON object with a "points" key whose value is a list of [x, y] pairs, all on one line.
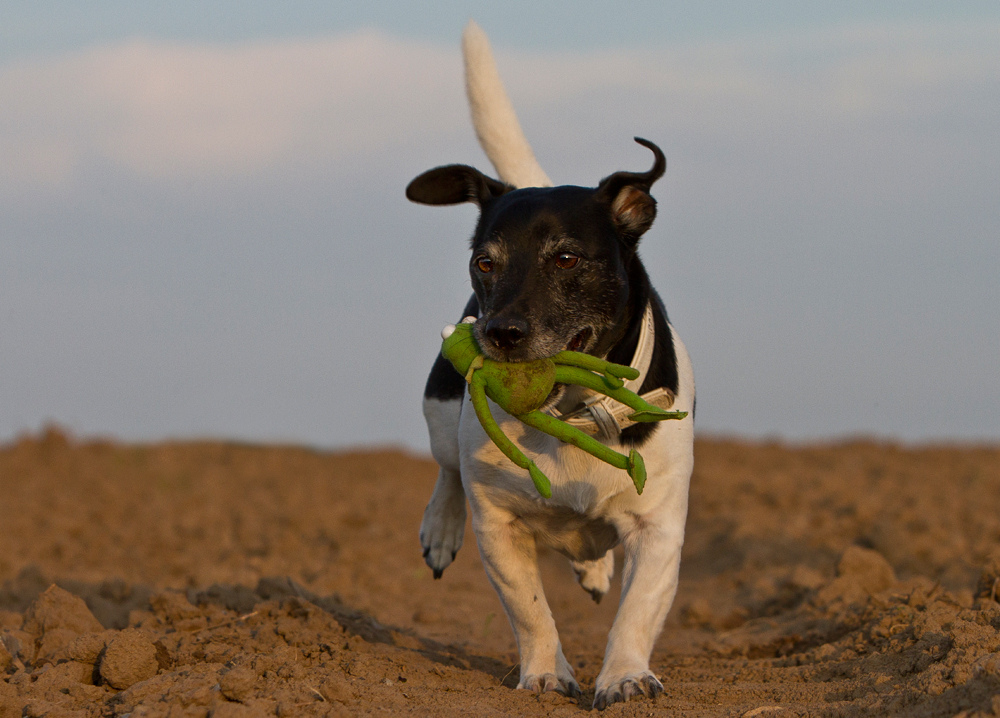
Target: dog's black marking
{"points": [[444, 383], [663, 364], [555, 268]]}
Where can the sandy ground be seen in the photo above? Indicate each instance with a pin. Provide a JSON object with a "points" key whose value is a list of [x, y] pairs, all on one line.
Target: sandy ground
{"points": [[210, 578]]}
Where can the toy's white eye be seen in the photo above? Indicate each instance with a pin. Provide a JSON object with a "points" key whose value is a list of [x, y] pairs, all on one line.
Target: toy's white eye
{"points": [[469, 320], [447, 331]]}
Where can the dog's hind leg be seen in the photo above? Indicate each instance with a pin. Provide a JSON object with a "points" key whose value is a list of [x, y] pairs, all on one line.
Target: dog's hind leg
{"points": [[595, 576], [443, 527]]}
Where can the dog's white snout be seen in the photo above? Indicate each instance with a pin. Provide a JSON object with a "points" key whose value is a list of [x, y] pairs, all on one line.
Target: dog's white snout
{"points": [[447, 331]]}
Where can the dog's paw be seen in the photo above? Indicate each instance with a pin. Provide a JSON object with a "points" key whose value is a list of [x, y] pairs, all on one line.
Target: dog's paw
{"points": [[595, 576], [550, 682], [443, 529], [631, 686]]}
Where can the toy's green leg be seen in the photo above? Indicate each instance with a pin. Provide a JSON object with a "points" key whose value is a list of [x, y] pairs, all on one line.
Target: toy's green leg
{"points": [[571, 435], [477, 393], [613, 373], [637, 470], [644, 411], [632, 463]]}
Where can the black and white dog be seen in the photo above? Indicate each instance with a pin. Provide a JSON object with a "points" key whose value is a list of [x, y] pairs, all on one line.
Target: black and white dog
{"points": [[556, 268]]}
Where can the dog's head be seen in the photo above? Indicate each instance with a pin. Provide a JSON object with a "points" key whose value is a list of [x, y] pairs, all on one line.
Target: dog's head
{"points": [[550, 265]]}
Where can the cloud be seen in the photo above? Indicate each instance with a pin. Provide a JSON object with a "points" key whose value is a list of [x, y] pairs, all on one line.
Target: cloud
{"points": [[169, 111], [844, 73], [163, 111]]}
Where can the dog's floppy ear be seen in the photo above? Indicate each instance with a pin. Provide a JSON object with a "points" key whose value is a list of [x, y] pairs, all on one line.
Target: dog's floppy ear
{"points": [[627, 194], [454, 184]]}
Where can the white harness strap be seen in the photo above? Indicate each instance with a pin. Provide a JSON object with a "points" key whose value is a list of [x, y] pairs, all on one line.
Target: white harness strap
{"points": [[643, 350], [605, 418]]}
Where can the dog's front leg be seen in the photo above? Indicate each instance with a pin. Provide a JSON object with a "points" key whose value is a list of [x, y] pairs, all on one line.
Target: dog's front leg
{"points": [[649, 583], [443, 527], [509, 555]]}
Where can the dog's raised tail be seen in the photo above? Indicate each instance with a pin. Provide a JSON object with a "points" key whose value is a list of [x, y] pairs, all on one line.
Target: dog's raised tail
{"points": [[493, 116]]}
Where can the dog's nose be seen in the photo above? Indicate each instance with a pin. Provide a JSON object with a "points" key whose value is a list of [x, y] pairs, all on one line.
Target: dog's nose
{"points": [[506, 333]]}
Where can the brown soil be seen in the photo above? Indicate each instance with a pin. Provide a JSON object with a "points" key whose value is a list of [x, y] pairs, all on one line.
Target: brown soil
{"points": [[208, 578]]}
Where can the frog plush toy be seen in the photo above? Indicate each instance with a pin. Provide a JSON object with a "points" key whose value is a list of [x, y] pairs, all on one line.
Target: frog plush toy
{"points": [[521, 388]]}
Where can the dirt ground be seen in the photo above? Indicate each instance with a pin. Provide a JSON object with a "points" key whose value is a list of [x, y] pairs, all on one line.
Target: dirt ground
{"points": [[211, 578]]}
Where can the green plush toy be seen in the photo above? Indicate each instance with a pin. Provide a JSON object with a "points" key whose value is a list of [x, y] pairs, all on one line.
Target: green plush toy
{"points": [[520, 388]]}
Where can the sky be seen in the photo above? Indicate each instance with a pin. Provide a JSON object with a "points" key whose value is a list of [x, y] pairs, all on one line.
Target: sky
{"points": [[203, 231]]}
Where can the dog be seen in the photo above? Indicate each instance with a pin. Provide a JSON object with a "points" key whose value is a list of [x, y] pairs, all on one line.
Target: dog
{"points": [[556, 268]]}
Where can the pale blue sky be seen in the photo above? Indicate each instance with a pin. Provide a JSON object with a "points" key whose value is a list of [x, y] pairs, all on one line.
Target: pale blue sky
{"points": [[44, 27], [203, 229]]}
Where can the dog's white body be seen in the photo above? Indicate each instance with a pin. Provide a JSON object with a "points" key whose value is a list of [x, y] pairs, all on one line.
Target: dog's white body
{"points": [[589, 497], [508, 518]]}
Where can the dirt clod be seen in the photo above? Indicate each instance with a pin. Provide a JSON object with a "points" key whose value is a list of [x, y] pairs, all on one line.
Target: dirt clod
{"points": [[88, 647], [867, 567], [238, 684], [336, 689], [58, 609], [129, 658]]}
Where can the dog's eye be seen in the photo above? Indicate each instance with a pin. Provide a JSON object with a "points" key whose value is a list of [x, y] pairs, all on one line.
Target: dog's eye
{"points": [[567, 260], [485, 265]]}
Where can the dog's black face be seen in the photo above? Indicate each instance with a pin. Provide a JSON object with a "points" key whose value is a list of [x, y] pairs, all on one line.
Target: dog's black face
{"points": [[549, 265], [548, 269]]}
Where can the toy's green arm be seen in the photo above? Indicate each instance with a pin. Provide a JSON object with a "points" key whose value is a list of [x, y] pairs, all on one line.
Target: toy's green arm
{"points": [[632, 463], [644, 411], [613, 373], [477, 392]]}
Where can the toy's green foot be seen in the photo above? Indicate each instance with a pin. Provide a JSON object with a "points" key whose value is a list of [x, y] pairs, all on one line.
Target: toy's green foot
{"points": [[648, 416], [637, 470], [542, 481], [621, 371], [612, 381]]}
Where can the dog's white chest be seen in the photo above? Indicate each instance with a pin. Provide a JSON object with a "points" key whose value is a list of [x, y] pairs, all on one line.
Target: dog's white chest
{"points": [[579, 481]]}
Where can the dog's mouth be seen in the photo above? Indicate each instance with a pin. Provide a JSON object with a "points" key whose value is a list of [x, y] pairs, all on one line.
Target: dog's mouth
{"points": [[579, 342], [533, 351]]}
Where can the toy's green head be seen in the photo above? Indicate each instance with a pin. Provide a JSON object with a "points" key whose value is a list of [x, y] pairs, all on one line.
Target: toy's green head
{"points": [[459, 346]]}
